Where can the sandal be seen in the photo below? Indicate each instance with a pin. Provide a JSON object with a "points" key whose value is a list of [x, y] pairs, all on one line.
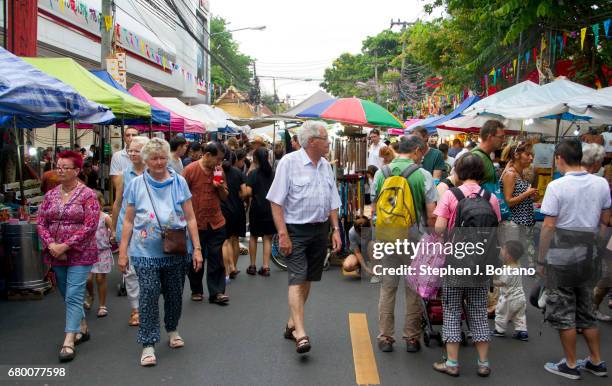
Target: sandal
{"points": [[88, 302], [234, 273], [175, 340], [244, 251], [134, 319], [102, 311], [289, 332], [252, 270], [264, 271], [82, 337], [220, 299], [302, 345], [147, 358], [197, 297], [65, 356]]}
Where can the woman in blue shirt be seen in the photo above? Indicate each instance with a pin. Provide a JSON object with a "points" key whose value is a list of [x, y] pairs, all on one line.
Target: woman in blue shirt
{"points": [[157, 196]]}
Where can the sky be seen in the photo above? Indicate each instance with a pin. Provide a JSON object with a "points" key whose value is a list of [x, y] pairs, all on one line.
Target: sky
{"points": [[302, 38]]}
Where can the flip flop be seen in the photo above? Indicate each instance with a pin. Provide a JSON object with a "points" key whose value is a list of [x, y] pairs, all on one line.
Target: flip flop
{"points": [[175, 340], [147, 358]]}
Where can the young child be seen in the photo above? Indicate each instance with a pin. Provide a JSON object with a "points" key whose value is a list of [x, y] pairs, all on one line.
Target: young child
{"points": [[355, 260], [512, 302], [104, 264]]}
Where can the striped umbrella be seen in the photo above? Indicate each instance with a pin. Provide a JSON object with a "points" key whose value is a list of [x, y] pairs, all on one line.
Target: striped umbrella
{"points": [[352, 111]]}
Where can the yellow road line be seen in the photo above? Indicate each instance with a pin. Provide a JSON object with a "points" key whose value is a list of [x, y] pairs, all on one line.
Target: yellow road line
{"points": [[366, 372]]}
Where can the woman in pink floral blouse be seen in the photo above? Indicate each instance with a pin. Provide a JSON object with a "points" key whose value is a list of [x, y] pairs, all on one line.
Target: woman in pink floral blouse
{"points": [[67, 222]]}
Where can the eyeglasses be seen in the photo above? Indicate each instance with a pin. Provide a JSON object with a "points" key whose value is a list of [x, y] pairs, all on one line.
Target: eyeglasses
{"points": [[64, 168]]}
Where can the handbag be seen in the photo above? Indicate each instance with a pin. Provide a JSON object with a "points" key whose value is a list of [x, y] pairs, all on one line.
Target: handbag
{"points": [[174, 241]]}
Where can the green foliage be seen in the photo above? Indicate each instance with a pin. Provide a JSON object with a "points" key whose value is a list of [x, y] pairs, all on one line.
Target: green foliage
{"points": [[353, 75], [223, 46]]}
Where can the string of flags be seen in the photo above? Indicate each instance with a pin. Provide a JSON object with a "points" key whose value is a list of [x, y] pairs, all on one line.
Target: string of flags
{"points": [[557, 44]]}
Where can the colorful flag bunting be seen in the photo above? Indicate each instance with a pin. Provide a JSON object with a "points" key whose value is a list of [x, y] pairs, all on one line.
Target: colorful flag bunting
{"points": [[606, 24], [542, 44], [527, 58], [535, 54], [514, 66], [108, 22], [582, 36], [595, 28]]}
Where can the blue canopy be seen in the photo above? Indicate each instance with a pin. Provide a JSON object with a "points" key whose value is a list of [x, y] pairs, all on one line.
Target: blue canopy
{"points": [[159, 117], [36, 99], [431, 126]]}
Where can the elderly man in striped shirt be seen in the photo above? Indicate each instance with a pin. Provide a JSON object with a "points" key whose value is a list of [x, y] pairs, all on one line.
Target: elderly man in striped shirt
{"points": [[305, 201]]}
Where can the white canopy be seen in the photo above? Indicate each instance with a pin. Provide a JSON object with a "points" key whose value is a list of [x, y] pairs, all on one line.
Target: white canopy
{"points": [[180, 108], [543, 101], [539, 125], [500, 97], [597, 104], [217, 116]]}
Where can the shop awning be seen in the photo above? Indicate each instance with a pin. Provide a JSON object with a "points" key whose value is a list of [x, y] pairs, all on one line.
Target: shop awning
{"points": [[421, 122], [431, 126], [175, 105], [596, 104], [499, 97], [217, 118], [38, 100], [158, 116], [177, 121], [88, 85]]}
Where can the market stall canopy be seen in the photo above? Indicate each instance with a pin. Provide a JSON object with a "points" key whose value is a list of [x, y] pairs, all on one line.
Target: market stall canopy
{"points": [[219, 121], [499, 97], [68, 71], [175, 105], [158, 116], [352, 111], [421, 123], [544, 101], [38, 100], [411, 122], [431, 126], [597, 105], [177, 121], [473, 124], [317, 97]]}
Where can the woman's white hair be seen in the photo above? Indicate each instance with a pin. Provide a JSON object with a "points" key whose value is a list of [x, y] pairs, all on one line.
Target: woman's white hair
{"points": [[155, 146], [308, 130], [140, 140], [592, 154]]}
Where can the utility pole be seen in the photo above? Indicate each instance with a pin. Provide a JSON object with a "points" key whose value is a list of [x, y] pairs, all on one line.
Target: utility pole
{"points": [[106, 45], [276, 101], [404, 25]]}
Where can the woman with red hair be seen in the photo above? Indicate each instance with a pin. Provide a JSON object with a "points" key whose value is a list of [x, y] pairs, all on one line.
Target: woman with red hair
{"points": [[67, 223]]}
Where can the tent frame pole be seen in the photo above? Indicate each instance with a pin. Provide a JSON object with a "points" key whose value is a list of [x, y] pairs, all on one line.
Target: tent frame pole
{"points": [[552, 173], [72, 134]]}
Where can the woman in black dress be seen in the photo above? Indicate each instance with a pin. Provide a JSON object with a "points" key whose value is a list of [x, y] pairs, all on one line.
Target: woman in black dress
{"points": [[234, 213], [261, 223]]}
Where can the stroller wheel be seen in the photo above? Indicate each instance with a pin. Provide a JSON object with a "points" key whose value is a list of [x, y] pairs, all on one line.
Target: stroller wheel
{"points": [[426, 339]]}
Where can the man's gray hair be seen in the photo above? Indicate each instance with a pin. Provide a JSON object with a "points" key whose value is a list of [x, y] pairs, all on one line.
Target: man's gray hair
{"points": [[155, 146], [308, 130], [592, 154], [410, 143], [140, 140]]}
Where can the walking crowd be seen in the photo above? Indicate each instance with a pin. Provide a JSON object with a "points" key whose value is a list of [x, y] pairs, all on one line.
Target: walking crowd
{"points": [[181, 208]]}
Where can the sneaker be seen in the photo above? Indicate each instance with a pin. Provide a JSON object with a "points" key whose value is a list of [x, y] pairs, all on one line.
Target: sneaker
{"points": [[521, 335], [441, 366], [585, 364], [602, 317], [498, 334], [562, 369], [385, 344], [413, 345]]}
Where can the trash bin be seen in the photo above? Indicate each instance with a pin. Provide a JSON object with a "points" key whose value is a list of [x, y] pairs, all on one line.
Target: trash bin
{"points": [[24, 268]]}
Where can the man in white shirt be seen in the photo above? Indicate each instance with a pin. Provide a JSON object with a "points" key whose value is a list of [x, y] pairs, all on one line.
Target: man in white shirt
{"points": [[374, 150], [304, 201], [577, 207], [121, 159]]}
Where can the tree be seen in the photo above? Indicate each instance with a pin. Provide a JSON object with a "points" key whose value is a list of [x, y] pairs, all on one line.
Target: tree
{"points": [[223, 47]]}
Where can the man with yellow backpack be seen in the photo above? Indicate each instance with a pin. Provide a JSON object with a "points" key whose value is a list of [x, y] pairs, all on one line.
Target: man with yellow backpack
{"points": [[405, 200]]}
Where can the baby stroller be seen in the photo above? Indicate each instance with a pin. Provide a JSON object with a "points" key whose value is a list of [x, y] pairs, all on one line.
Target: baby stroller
{"points": [[433, 316]]}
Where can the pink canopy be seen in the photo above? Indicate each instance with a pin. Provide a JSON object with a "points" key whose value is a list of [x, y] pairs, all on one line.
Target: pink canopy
{"points": [[411, 122], [177, 122], [395, 132]]}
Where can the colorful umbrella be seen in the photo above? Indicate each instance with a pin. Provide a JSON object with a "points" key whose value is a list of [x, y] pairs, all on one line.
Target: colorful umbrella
{"points": [[353, 111]]}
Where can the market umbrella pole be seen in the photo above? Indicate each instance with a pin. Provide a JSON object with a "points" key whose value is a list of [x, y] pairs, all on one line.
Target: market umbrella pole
{"points": [[552, 173], [72, 134], [151, 128], [19, 140]]}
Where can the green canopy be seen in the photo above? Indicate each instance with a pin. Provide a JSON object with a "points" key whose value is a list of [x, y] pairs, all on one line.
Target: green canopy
{"points": [[91, 87]]}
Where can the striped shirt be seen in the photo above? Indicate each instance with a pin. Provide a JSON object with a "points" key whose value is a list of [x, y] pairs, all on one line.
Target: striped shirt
{"points": [[306, 192]]}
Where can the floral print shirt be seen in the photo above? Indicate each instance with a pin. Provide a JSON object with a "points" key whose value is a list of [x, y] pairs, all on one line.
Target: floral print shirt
{"points": [[73, 223]]}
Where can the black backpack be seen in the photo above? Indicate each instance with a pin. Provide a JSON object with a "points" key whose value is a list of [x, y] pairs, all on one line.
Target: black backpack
{"points": [[475, 222]]}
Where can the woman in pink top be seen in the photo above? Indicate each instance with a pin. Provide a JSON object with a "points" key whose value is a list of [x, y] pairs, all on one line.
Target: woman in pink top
{"points": [[469, 169], [67, 223]]}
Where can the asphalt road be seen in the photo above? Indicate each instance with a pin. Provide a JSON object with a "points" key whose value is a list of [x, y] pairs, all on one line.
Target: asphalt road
{"points": [[242, 344]]}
